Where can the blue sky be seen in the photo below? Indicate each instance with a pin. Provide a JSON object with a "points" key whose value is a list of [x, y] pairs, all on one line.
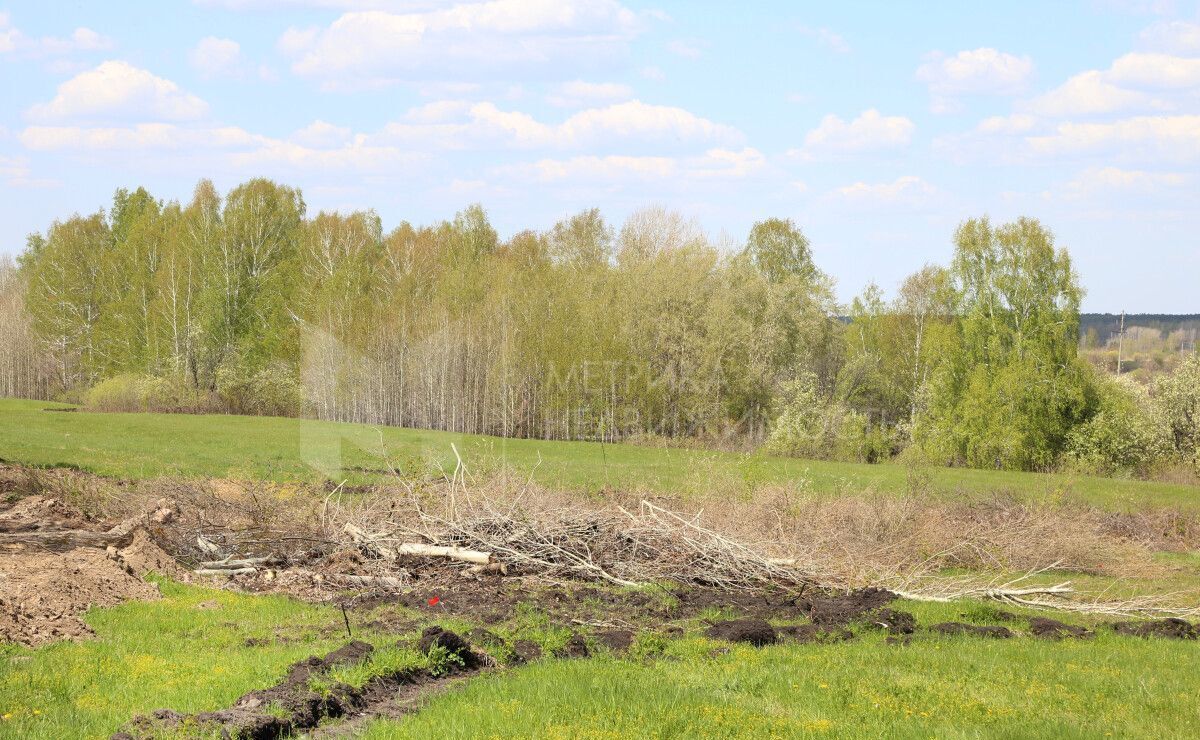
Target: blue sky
{"points": [[877, 126]]}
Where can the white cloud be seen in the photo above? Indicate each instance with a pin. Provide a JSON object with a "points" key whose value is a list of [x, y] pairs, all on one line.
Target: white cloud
{"points": [[371, 48], [1172, 37], [713, 164], [1161, 71], [983, 71], [458, 124], [355, 156], [138, 137], [1114, 180], [117, 90], [1122, 87], [1142, 138], [13, 41], [1007, 125], [909, 190], [1088, 93], [216, 57], [827, 38], [578, 93], [322, 134], [870, 132]]}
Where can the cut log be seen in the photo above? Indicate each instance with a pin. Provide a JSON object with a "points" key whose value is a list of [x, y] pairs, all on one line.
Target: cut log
{"points": [[389, 552], [439, 551], [224, 571], [119, 536]]}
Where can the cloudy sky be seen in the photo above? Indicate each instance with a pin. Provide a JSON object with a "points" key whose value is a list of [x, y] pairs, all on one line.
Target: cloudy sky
{"points": [[877, 127]]}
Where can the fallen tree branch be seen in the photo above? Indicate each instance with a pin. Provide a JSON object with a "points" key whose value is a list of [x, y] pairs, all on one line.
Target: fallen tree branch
{"points": [[118, 536]]}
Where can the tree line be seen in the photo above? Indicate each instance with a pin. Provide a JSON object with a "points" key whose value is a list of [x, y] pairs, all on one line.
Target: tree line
{"points": [[246, 303]]}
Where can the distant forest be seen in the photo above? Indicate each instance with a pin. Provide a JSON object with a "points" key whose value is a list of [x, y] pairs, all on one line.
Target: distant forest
{"points": [[1109, 324], [244, 302]]}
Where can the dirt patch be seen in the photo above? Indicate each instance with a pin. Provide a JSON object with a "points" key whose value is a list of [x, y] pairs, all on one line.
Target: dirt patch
{"points": [[839, 609], [961, 628], [1052, 629], [1171, 628], [757, 632], [43, 595], [618, 641]]}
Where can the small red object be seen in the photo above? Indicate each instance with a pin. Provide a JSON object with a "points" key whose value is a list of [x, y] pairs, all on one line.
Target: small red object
{"points": [[434, 601]]}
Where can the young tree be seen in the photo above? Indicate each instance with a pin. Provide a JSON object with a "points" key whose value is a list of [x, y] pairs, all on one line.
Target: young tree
{"points": [[1013, 386]]}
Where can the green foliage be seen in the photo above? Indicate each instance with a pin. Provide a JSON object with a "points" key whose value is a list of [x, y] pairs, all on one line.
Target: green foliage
{"points": [[1126, 434], [131, 392], [1012, 386], [273, 390], [812, 425], [1177, 397]]}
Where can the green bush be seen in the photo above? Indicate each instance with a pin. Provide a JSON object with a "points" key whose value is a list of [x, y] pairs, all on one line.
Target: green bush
{"points": [[274, 390], [1126, 434], [814, 426], [1177, 398], [132, 392]]}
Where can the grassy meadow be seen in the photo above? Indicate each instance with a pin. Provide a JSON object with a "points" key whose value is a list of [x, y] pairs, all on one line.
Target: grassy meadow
{"points": [[190, 652], [200, 648], [284, 449]]}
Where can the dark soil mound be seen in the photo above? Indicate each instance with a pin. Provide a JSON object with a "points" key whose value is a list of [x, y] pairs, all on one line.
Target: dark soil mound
{"points": [[894, 621], [843, 609], [1052, 629], [961, 628], [617, 641], [757, 632], [451, 643], [288, 706], [526, 651], [576, 647], [1172, 628]]}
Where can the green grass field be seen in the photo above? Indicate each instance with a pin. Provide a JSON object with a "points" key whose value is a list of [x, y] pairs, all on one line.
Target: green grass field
{"points": [[185, 653], [189, 652], [151, 445]]}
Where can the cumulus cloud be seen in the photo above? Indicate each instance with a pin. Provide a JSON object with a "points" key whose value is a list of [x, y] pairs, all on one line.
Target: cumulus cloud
{"points": [[1172, 37], [1141, 138], [1160, 71], [1145, 81], [117, 90], [713, 164], [137, 137], [1086, 94], [13, 41], [909, 190], [1114, 180], [870, 132], [458, 124], [578, 93], [983, 71], [371, 48], [322, 134], [216, 57]]}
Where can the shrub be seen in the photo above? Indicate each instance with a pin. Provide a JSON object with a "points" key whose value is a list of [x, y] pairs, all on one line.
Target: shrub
{"points": [[812, 425], [273, 390], [133, 392], [1177, 398], [1124, 435]]}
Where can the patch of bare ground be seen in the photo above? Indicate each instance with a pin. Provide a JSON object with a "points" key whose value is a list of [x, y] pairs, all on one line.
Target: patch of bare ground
{"points": [[47, 580]]}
